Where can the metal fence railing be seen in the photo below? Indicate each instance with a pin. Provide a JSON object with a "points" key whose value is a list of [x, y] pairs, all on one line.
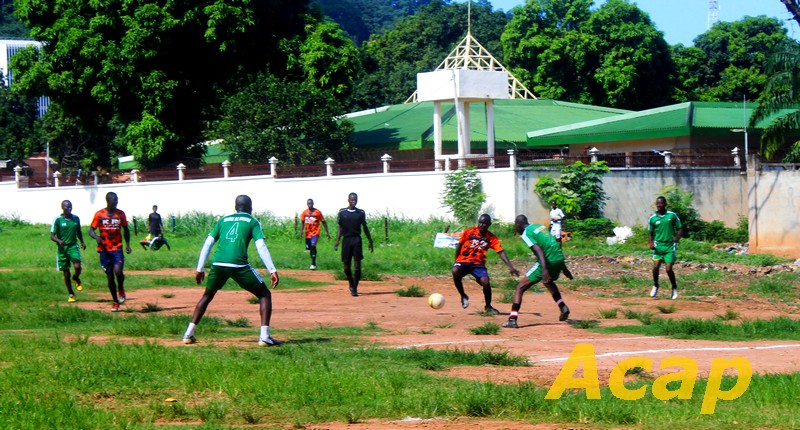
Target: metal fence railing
{"points": [[524, 159]]}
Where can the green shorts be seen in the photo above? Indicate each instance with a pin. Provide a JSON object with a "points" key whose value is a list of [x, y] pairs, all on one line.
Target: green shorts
{"points": [[554, 268], [66, 255], [666, 251], [246, 277]]}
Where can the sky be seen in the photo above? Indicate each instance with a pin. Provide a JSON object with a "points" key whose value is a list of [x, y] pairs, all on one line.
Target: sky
{"points": [[683, 20]]}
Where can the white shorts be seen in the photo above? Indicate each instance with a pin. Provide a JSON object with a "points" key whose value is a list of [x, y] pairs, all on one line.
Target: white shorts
{"points": [[555, 231]]}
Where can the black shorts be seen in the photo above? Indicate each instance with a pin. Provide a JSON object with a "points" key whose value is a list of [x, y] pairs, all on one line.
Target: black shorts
{"points": [[352, 249]]}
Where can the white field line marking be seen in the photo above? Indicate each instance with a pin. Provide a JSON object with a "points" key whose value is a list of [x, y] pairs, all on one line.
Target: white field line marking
{"points": [[656, 351], [456, 342]]}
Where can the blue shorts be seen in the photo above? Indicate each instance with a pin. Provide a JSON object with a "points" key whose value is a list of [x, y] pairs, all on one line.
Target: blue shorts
{"points": [[109, 259], [476, 270], [311, 241]]}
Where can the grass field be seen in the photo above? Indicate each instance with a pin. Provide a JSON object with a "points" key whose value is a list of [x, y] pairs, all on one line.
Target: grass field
{"points": [[56, 374]]}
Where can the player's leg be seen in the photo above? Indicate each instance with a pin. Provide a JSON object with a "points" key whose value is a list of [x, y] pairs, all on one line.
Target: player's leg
{"points": [[482, 278], [669, 260], [312, 248], [217, 277], [107, 263], [119, 274], [554, 269], [656, 268], [78, 269], [358, 255], [519, 291], [251, 281], [459, 271]]}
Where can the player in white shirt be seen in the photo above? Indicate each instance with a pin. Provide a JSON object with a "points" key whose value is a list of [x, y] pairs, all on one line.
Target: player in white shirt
{"points": [[556, 217]]}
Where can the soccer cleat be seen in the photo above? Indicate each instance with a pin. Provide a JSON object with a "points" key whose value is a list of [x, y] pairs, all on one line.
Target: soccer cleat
{"points": [[674, 294], [115, 307], [72, 298], [353, 292], [464, 301], [269, 342], [78, 285], [511, 323], [312, 267], [564, 313], [189, 340], [491, 311], [654, 291], [122, 297]]}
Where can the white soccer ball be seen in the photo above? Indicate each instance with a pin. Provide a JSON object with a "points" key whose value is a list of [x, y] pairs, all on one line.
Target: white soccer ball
{"points": [[436, 300]]}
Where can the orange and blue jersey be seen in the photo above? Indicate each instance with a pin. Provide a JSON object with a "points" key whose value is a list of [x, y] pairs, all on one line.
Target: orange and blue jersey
{"points": [[474, 246], [109, 225], [311, 221]]}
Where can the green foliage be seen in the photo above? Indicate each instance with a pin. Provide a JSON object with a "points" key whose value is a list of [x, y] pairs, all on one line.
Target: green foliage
{"points": [[412, 291], [608, 313], [613, 56], [714, 329], [782, 285], [578, 191], [778, 104], [294, 122], [362, 18], [463, 194], [18, 137], [591, 227], [488, 328], [10, 25], [392, 59], [144, 65]]}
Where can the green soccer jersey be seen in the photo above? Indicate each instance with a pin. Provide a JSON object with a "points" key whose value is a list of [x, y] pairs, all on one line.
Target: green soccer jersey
{"points": [[233, 234], [540, 235], [66, 229], [664, 227]]}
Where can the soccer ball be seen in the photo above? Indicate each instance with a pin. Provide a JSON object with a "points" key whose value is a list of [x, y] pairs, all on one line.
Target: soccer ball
{"points": [[436, 300]]}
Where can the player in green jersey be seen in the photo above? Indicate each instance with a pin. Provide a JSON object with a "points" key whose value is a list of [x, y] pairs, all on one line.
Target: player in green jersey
{"points": [[66, 232], [665, 231], [547, 269], [233, 234]]}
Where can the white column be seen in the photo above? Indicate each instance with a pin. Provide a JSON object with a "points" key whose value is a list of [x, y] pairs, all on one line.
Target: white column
{"points": [[135, 176], [273, 164], [437, 130], [226, 165], [181, 168], [667, 158], [490, 132], [386, 159], [95, 173], [736, 160], [593, 152], [56, 177], [512, 158], [460, 124], [329, 162], [17, 171]]}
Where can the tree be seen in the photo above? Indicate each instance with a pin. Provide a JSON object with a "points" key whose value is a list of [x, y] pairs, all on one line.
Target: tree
{"points": [[793, 7], [417, 44], [611, 57], [729, 60], [17, 125], [294, 122], [362, 18], [779, 103], [10, 26], [324, 58], [578, 191], [463, 194], [160, 69]]}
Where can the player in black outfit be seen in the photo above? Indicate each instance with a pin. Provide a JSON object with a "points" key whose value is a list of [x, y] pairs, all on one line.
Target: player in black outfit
{"points": [[350, 220], [156, 230]]}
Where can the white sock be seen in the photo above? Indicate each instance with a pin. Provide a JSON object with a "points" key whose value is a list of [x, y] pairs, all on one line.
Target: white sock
{"points": [[190, 330], [264, 332]]}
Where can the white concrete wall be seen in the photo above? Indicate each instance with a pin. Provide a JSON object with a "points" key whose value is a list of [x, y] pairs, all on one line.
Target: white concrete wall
{"points": [[406, 195], [774, 205]]}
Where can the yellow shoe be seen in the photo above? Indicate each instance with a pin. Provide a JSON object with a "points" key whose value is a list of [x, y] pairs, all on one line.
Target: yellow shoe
{"points": [[78, 284], [72, 299]]}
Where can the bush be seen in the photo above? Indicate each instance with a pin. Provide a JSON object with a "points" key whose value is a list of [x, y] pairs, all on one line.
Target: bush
{"points": [[463, 194], [591, 227]]}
